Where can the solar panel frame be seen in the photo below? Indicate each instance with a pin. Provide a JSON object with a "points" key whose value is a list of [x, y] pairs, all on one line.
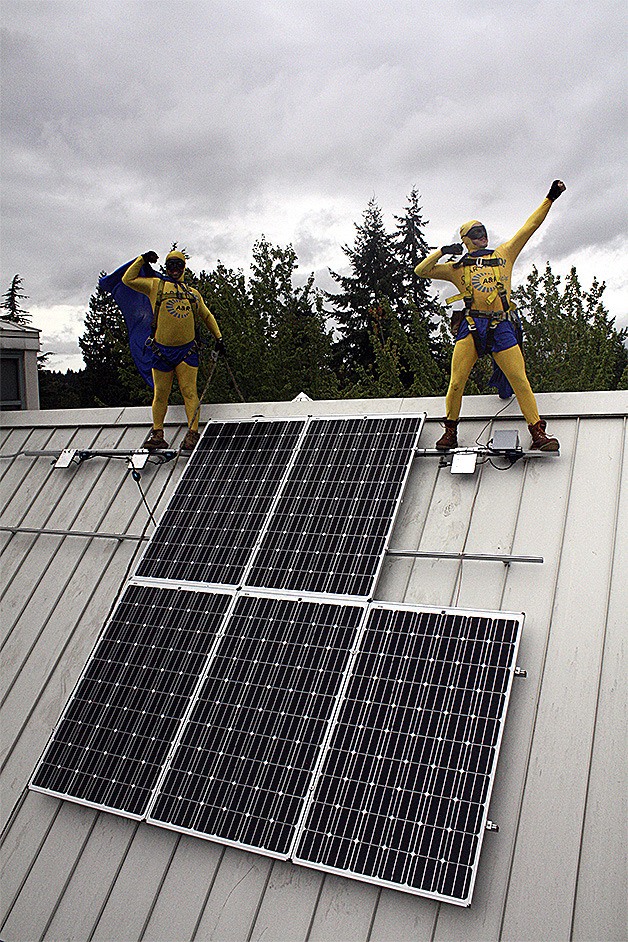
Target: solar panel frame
{"points": [[105, 691], [316, 498], [276, 725], [461, 885]]}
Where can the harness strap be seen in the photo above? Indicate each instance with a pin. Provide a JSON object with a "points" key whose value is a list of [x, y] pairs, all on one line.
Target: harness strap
{"points": [[482, 261]]}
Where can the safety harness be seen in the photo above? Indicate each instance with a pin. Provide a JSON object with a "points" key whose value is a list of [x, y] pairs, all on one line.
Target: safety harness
{"points": [[482, 258]]}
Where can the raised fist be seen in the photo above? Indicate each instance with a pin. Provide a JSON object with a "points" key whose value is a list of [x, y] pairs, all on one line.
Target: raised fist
{"points": [[555, 190], [150, 257]]}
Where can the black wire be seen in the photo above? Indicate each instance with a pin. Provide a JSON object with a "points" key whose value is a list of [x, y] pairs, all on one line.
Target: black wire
{"points": [[137, 478], [499, 412], [497, 467]]}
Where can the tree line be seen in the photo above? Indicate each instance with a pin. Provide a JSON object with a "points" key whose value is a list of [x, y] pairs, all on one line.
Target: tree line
{"points": [[381, 332]]}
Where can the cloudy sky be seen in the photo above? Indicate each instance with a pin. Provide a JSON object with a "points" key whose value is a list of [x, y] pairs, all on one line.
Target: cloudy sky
{"points": [[128, 125]]}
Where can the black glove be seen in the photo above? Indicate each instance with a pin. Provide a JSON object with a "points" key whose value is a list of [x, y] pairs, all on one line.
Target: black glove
{"points": [[555, 190], [455, 249], [220, 347], [150, 257]]}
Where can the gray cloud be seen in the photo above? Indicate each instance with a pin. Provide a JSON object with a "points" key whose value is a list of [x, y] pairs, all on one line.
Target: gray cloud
{"points": [[134, 124]]}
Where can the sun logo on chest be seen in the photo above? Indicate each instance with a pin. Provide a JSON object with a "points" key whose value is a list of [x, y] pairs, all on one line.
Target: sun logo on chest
{"points": [[483, 281], [178, 307]]}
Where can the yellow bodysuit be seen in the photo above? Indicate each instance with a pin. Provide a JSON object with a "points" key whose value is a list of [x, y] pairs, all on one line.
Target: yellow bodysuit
{"points": [[486, 298], [175, 327]]}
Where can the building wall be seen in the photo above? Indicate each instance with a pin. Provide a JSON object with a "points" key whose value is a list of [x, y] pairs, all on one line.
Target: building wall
{"points": [[555, 870], [19, 347]]}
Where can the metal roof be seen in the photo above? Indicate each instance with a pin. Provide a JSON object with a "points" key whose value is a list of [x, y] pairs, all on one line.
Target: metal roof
{"points": [[556, 869]]}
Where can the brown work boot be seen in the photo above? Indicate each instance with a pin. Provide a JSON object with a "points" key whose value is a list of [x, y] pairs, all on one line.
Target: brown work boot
{"points": [[540, 440], [450, 438], [190, 440], [156, 439]]}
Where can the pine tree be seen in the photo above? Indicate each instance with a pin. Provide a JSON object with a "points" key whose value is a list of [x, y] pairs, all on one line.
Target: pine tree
{"points": [[225, 294], [298, 348], [376, 277], [403, 364], [419, 303], [11, 303], [411, 248]]}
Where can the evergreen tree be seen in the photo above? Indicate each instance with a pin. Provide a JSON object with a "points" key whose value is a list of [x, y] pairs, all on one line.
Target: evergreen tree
{"points": [[225, 294], [571, 342], [411, 249], [419, 302], [376, 277], [403, 364], [11, 303], [297, 346]]}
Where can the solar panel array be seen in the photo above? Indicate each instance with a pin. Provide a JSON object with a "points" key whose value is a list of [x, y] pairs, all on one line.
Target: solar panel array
{"points": [[301, 505], [296, 718], [329, 529], [402, 797], [213, 521]]}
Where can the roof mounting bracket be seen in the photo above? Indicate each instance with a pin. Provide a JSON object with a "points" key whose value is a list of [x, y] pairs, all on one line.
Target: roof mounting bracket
{"points": [[66, 458], [520, 672], [136, 458], [491, 826], [464, 460]]}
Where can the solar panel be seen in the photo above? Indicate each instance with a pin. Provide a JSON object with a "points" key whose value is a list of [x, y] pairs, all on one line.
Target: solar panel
{"points": [[213, 520], [248, 754], [331, 524], [115, 734], [402, 798]]}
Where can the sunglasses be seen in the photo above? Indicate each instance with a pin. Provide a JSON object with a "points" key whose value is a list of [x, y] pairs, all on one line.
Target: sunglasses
{"points": [[477, 232]]}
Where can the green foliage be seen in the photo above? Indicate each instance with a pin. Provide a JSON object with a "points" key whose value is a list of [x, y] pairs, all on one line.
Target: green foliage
{"points": [[571, 342], [394, 338], [402, 362], [376, 277], [11, 303]]}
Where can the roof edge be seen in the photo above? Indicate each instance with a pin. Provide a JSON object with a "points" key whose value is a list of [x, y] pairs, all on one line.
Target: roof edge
{"points": [[604, 403]]}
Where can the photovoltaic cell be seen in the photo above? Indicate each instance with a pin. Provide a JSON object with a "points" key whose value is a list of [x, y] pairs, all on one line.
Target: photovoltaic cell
{"points": [[218, 509], [403, 793], [111, 743], [330, 527], [247, 756]]}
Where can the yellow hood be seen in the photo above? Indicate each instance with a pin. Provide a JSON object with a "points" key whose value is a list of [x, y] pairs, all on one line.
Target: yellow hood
{"points": [[176, 254], [464, 229]]}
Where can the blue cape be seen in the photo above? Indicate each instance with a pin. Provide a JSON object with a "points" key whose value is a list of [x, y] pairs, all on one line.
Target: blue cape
{"points": [[138, 315]]}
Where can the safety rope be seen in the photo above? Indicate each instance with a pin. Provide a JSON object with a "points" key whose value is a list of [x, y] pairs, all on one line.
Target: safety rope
{"points": [[233, 380], [214, 358]]}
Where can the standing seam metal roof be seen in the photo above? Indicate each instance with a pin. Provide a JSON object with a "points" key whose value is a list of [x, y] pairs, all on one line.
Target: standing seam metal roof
{"points": [[554, 871]]}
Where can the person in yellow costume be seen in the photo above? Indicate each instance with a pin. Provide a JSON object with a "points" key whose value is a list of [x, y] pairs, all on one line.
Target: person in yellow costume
{"points": [[173, 341], [483, 279]]}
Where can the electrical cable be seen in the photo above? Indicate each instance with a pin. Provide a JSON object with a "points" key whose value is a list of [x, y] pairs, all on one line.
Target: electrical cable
{"points": [[499, 412], [135, 474]]}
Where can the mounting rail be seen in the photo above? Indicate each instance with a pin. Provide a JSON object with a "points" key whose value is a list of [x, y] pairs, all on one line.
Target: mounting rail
{"points": [[136, 457]]}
